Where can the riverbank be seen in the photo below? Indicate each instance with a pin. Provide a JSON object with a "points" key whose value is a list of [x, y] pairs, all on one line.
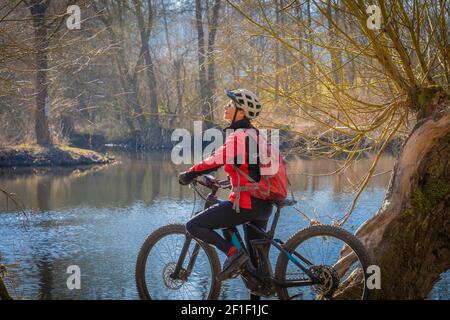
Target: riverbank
{"points": [[26, 155]]}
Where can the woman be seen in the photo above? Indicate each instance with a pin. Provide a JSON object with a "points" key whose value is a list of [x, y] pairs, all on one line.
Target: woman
{"points": [[240, 208]]}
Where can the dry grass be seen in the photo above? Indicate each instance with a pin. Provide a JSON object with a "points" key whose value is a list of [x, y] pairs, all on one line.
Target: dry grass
{"points": [[33, 154]]}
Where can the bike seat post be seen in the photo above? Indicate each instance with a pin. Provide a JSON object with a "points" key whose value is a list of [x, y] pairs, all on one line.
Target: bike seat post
{"points": [[271, 233]]}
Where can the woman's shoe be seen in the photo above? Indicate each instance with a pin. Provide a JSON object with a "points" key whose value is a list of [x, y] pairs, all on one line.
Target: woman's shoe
{"points": [[233, 265]]}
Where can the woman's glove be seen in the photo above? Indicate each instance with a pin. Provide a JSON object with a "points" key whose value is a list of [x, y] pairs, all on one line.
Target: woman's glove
{"points": [[186, 177]]}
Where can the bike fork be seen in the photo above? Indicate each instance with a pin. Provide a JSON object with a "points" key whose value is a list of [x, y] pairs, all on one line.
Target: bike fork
{"points": [[184, 250]]}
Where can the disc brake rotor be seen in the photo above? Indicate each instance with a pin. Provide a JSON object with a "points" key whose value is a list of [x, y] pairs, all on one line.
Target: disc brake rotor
{"points": [[169, 281]]}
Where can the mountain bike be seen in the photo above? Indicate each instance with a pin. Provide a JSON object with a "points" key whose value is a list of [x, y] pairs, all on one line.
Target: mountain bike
{"points": [[318, 262]]}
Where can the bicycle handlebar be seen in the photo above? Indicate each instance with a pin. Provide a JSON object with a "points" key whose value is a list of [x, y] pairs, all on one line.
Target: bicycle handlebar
{"points": [[212, 183]]}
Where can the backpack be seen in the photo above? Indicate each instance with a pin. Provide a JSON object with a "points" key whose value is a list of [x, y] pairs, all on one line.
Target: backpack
{"points": [[272, 185]]}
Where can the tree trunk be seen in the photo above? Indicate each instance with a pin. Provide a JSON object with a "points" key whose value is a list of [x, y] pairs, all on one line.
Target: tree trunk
{"points": [[301, 35], [155, 129], [212, 31], [38, 9], [4, 294], [206, 108], [409, 238], [336, 55], [312, 78], [178, 80], [276, 64], [153, 134]]}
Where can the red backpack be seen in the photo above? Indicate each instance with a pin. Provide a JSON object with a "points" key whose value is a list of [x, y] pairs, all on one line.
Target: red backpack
{"points": [[273, 184]]}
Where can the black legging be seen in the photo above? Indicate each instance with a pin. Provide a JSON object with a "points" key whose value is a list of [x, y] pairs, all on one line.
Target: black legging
{"points": [[222, 215]]}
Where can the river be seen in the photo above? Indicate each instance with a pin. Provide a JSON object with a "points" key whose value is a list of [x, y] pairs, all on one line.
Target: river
{"points": [[97, 218]]}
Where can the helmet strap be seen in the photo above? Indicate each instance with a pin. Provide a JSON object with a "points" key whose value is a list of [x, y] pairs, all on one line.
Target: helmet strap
{"points": [[235, 113]]}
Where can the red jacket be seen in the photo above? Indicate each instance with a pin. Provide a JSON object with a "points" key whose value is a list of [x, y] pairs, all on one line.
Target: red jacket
{"points": [[226, 156]]}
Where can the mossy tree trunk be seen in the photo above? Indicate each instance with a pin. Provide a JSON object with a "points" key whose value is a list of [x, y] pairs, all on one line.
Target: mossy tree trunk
{"points": [[4, 294], [409, 238]]}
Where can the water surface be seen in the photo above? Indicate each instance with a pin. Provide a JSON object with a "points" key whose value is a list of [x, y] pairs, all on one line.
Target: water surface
{"points": [[97, 218]]}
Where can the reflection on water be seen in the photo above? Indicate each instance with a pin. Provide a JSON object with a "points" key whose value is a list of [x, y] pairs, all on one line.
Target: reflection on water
{"points": [[97, 218], [138, 178], [148, 177]]}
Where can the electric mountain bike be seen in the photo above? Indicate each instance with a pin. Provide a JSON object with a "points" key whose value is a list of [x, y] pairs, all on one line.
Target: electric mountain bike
{"points": [[318, 262]]}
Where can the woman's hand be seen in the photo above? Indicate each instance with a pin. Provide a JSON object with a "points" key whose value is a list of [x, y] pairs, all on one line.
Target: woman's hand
{"points": [[186, 177]]}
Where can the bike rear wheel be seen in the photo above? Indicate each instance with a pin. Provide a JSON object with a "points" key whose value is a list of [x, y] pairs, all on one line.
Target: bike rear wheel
{"points": [[157, 261], [337, 257]]}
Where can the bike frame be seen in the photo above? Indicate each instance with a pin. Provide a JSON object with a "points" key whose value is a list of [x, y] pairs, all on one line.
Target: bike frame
{"points": [[259, 272], [268, 237]]}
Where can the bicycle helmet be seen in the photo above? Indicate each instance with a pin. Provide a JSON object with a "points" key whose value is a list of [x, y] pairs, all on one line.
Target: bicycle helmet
{"points": [[247, 101]]}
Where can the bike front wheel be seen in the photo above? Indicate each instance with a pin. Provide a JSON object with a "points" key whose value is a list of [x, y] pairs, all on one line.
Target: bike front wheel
{"points": [[335, 256], [162, 275]]}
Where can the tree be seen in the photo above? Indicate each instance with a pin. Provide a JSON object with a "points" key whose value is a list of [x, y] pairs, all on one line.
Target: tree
{"points": [[206, 64], [4, 294], [407, 63], [38, 10], [145, 29], [114, 15], [42, 56]]}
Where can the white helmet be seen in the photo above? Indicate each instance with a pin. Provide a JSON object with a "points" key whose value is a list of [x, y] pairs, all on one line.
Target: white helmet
{"points": [[247, 101]]}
